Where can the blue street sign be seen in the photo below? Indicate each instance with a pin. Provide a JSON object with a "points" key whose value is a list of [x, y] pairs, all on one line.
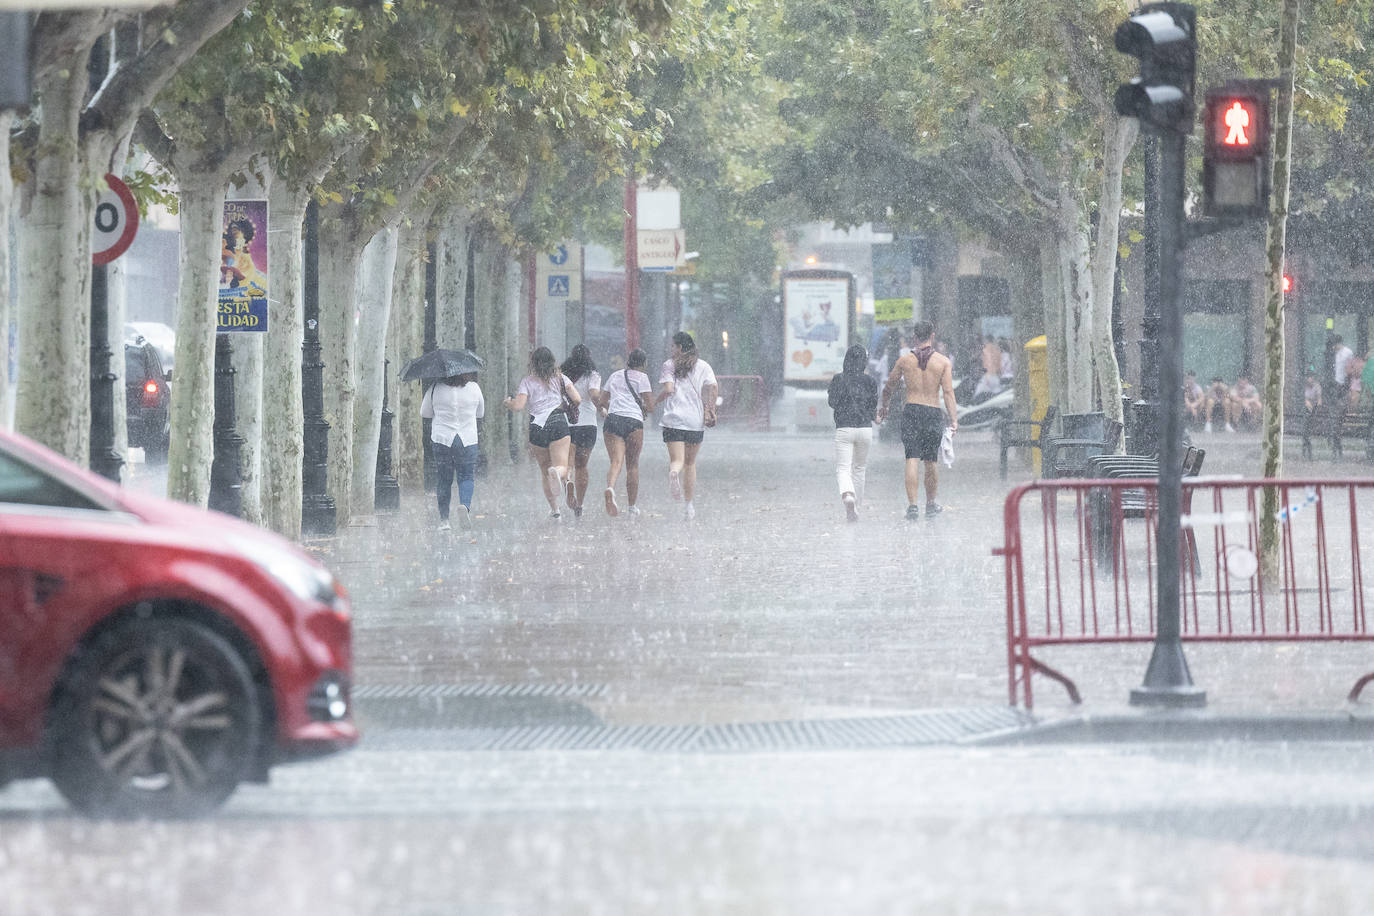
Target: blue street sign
{"points": [[559, 286], [559, 258]]}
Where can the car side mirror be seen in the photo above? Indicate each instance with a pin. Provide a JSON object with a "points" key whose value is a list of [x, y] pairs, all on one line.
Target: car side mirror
{"points": [[168, 375]]}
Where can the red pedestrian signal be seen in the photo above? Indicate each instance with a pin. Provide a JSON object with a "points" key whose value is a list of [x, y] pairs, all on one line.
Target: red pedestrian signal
{"points": [[1235, 175]]}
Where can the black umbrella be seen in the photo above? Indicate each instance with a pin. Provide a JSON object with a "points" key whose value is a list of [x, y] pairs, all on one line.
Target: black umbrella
{"points": [[441, 364]]}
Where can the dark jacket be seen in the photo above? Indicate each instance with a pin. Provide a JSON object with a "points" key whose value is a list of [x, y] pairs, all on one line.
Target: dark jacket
{"points": [[854, 398]]}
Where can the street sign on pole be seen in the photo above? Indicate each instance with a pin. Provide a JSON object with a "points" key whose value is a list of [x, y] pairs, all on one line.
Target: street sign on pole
{"points": [[662, 249], [116, 221]]}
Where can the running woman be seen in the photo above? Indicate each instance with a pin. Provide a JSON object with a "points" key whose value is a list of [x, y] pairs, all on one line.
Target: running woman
{"points": [[627, 400], [542, 391], [579, 369], [689, 398]]}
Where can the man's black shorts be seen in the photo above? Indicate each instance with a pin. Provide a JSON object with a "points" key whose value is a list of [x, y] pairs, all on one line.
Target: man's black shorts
{"points": [[583, 436], [690, 436], [922, 429], [554, 428]]}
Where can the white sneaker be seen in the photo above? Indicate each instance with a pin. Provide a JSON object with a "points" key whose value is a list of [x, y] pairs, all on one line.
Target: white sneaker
{"points": [[851, 508], [1230, 428], [464, 517], [1208, 427], [633, 511], [444, 525], [675, 484], [689, 512], [611, 508]]}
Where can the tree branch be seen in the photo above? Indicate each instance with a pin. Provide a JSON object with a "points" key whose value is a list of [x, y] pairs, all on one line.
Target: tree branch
{"points": [[148, 133], [176, 35], [1004, 153], [60, 38], [1088, 79]]}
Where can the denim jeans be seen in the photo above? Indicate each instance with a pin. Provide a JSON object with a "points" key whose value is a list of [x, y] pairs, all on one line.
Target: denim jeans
{"points": [[448, 460]]}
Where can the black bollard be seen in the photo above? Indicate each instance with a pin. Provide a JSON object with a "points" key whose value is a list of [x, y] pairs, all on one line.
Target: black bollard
{"points": [[226, 484], [105, 461], [387, 497], [317, 508]]}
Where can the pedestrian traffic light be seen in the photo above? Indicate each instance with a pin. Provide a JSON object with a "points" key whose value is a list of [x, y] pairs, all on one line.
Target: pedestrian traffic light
{"points": [[1235, 169], [1163, 36]]}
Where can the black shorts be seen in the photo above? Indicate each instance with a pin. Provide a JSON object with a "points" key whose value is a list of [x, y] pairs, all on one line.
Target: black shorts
{"points": [[583, 436], [617, 425], [690, 436], [554, 428], [922, 429]]}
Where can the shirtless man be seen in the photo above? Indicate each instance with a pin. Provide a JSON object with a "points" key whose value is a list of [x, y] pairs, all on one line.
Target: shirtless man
{"points": [[927, 373]]}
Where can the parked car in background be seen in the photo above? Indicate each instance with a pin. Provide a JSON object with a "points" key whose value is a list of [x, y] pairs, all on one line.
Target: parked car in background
{"points": [[162, 337], [154, 655], [147, 399]]}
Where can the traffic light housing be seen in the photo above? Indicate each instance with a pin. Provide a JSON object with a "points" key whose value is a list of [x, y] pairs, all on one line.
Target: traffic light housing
{"points": [[1235, 169], [1164, 37]]}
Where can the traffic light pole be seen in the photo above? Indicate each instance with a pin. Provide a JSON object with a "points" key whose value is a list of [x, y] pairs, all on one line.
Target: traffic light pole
{"points": [[1168, 682]]}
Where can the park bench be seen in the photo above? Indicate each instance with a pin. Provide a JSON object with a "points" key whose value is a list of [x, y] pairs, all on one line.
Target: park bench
{"points": [[1106, 508], [1350, 424], [1304, 424], [1016, 434], [1069, 456]]}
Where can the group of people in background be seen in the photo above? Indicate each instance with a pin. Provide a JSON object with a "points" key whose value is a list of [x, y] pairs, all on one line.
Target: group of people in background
{"points": [[1235, 404], [565, 403]]}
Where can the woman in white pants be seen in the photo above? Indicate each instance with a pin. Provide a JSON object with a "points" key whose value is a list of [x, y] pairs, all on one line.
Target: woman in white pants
{"points": [[854, 398]]}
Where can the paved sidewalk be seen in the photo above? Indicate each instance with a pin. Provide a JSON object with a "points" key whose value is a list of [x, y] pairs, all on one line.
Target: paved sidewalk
{"points": [[768, 606]]}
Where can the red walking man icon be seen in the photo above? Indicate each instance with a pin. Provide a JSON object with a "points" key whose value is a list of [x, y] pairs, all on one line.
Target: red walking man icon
{"points": [[1237, 119]]}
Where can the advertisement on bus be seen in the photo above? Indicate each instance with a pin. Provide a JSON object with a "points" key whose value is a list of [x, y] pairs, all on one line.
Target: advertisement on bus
{"points": [[817, 309]]}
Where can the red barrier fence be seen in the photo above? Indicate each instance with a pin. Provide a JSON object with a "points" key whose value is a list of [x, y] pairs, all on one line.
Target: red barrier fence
{"points": [[744, 402], [1080, 566]]}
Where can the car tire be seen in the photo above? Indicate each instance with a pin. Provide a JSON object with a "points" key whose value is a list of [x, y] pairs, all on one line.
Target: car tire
{"points": [[156, 717]]}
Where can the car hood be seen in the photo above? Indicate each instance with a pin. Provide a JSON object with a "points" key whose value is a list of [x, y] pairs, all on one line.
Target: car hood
{"points": [[204, 528]]}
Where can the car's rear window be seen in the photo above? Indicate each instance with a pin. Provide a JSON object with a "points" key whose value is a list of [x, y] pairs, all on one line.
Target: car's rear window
{"points": [[24, 484]]}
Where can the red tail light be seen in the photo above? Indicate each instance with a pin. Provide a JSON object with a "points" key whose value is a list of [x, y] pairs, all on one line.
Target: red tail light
{"points": [[150, 389]]}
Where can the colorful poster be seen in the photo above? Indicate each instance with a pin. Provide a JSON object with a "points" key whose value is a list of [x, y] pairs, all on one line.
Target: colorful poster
{"points": [[243, 267], [816, 313]]}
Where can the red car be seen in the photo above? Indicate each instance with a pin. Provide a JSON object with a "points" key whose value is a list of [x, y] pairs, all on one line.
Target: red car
{"points": [[154, 655]]}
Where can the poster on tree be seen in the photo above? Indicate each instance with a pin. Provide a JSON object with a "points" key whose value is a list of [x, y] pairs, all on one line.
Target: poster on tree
{"points": [[243, 267]]}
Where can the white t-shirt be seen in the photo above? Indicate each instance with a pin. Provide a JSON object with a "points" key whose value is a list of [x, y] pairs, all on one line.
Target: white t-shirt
{"points": [[683, 409], [455, 411], [544, 397], [586, 413], [1342, 361], [624, 388]]}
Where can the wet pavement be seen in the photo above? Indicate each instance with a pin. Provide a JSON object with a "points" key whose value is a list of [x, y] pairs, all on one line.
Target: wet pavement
{"points": [[765, 710]]}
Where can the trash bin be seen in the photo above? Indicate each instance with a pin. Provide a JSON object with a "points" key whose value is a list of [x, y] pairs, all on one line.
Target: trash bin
{"points": [[1038, 373]]}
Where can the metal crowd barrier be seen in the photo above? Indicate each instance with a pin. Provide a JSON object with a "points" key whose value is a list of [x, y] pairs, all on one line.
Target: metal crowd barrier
{"points": [[1080, 566]]}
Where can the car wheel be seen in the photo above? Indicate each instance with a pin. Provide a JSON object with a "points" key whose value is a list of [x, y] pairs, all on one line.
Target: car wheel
{"points": [[157, 717]]}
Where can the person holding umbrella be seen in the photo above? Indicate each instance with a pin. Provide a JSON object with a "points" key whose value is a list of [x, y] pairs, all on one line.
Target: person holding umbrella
{"points": [[544, 391], [454, 404]]}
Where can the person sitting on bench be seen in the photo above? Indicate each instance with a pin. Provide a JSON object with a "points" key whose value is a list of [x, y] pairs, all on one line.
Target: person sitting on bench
{"points": [[1218, 396], [1193, 398], [1245, 406]]}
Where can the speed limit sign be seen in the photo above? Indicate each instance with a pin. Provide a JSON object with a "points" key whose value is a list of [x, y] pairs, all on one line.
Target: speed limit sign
{"points": [[116, 221]]}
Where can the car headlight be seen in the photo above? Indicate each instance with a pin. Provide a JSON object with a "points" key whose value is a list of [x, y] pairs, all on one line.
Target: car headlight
{"points": [[304, 580]]}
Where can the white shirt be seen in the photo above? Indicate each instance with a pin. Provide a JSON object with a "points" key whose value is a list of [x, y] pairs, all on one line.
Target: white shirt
{"points": [[586, 414], [544, 397], [683, 409], [1342, 361], [624, 388], [455, 410]]}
